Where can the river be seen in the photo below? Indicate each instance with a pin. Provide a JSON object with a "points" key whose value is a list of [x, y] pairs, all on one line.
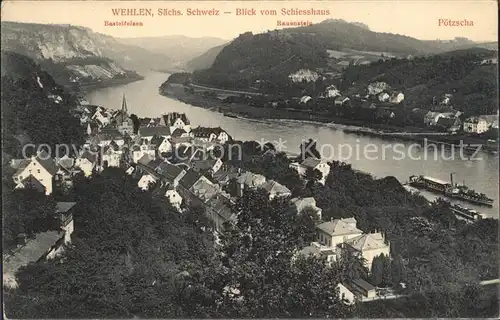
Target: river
{"points": [[374, 155]]}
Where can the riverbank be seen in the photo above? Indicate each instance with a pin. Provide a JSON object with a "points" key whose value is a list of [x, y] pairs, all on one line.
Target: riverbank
{"points": [[87, 87], [413, 134]]}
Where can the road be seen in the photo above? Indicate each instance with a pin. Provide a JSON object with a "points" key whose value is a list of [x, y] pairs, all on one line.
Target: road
{"points": [[226, 91]]}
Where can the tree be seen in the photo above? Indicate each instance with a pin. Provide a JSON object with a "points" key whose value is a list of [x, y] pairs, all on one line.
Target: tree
{"points": [[136, 122], [397, 270], [377, 271]]}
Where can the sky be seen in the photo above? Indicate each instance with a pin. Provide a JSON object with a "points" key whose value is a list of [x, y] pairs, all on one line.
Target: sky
{"points": [[418, 19]]}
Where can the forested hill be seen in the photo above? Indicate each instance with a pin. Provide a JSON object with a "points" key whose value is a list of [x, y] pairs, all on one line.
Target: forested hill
{"points": [[268, 56], [33, 104], [467, 74]]}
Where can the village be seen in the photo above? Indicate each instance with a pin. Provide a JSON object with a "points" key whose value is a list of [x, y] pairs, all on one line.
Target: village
{"points": [[169, 157], [379, 106]]}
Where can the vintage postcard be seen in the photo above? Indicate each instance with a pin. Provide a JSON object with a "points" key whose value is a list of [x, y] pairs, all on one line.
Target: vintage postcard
{"points": [[250, 159]]}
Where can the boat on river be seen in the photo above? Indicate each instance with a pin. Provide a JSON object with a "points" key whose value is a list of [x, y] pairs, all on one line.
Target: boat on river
{"points": [[449, 189], [466, 214]]}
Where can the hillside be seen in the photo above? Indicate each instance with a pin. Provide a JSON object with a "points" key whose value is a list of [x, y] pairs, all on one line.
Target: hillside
{"points": [[263, 57], [345, 42], [205, 60], [33, 104], [77, 55], [338, 35], [179, 49], [462, 73]]}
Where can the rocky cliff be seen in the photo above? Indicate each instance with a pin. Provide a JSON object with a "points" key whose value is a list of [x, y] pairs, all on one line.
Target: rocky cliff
{"points": [[75, 54]]}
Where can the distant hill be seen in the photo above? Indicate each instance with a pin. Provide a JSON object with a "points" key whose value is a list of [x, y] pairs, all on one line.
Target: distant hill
{"points": [[467, 74], [86, 55], [269, 56], [179, 49], [276, 54], [205, 60]]}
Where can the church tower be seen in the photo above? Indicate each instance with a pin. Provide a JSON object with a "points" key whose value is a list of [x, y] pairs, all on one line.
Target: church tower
{"points": [[123, 122], [124, 111]]}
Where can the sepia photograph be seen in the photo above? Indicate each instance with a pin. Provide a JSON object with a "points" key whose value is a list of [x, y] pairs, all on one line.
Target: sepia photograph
{"points": [[250, 159]]}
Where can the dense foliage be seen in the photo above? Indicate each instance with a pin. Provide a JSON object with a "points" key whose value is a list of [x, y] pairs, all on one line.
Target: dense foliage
{"points": [[432, 251], [264, 57], [134, 255], [473, 85], [31, 108]]}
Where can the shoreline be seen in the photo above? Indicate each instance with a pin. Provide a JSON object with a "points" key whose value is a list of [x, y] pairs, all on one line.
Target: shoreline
{"points": [[349, 126], [88, 87]]}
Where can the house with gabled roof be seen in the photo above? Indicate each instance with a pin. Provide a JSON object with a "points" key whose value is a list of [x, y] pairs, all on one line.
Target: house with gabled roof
{"points": [[225, 174], [211, 134], [171, 173], [218, 210], [318, 250], [146, 181], [87, 161], [174, 198], [65, 173], [209, 166], [196, 189], [368, 245], [204, 189], [43, 246], [175, 120], [332, 233], [139, 150], [111, 155], [42, 169], [275, 189], [163, 145], [248, 180], [149, 132], [314, 164], [64, 211]]}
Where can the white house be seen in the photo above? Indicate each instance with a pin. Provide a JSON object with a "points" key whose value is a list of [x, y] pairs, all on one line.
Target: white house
{"points": [[175, 120], [174, 198], [396, 97], [101, 117], [345, 294], [210, 134], [111, 155], [165, 146], [146, 181], [333, 233], [319, 250], [475, 125], [332, 91], [314, 164], [40, 169], [138, 151], [383, 97], [370, 246], [87, 161]]}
